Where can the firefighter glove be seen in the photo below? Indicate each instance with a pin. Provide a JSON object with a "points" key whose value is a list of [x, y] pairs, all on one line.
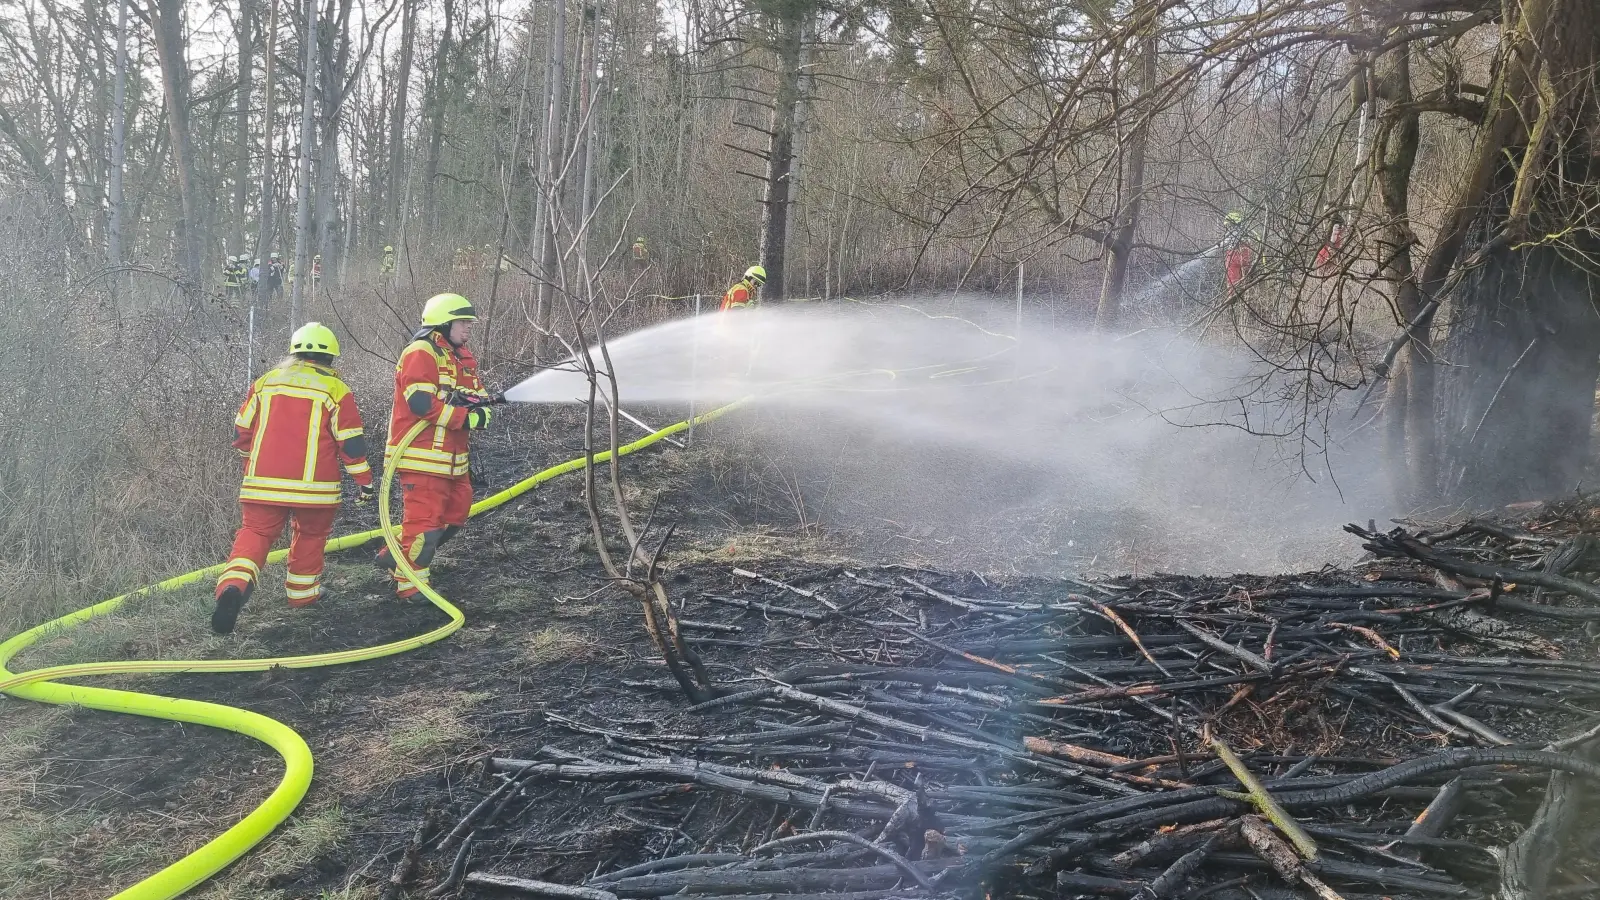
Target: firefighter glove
{"points": [[478, 417], [366, 495]]}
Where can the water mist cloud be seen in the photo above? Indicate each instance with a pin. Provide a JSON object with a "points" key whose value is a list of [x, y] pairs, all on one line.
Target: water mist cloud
{"points": [[1059, 450]]}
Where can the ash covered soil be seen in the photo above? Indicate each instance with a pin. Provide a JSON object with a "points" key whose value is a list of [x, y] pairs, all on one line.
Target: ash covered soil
{"points": [[974, 734]]}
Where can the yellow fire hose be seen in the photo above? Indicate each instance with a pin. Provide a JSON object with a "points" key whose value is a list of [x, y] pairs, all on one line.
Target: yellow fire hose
{"points": [[40, 684]]}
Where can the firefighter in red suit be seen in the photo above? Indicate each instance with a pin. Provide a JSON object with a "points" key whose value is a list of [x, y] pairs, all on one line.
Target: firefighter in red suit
{"points": [[1239, 256], [297, 424], [1328, 257], [436, 382], [743, 293]]}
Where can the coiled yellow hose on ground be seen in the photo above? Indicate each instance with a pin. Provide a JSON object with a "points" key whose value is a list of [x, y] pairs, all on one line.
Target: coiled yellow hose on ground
{"points": [[41, 684]]}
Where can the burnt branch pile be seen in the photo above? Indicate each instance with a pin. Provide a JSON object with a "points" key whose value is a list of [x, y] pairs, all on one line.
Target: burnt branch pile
{"points": [[897, 732]]}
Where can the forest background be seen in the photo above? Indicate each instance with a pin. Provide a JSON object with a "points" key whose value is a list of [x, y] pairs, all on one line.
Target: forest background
{"points": [[1415, 180]]}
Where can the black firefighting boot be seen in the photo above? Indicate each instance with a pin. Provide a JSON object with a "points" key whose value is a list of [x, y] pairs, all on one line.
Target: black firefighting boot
{"points": [[229, 602]]}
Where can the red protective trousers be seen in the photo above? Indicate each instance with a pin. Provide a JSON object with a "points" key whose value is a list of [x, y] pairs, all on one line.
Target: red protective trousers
{"points": [[1238, 263], [263, 522], [433, 503]]}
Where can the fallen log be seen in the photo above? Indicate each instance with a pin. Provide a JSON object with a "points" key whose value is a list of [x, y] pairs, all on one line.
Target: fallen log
{"points": [[1529, 863], [1210, 640], [716, 627], [798, 591], [1170, 881], [1389, 879], [1440, 812], [1277, 854], [1096, 885], [757, 606], [1398, 543], [537, 888], [896, 859], [699, 773], [722, 881]]}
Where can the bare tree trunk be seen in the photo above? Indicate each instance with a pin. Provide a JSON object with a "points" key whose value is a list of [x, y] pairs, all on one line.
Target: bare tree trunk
{"points": [[1399, 134], [241, 132], [797, 173], [1119, 250], [780, 151], [119, 153], [48, 68], [436, 109], [590, 117], [302, 209], [538, 145], [1517, 404], [1505, 104], [93, 152], [334, 60], [548, 188], [509, 164], [350, 203], [166, 19], [396, 185], [261, 311], [327, 166]]}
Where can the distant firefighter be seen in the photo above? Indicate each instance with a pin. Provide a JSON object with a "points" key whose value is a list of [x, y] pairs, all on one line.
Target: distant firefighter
{"points": [[1239, 256], [234, 277], [743, 293], [1328, 257]]}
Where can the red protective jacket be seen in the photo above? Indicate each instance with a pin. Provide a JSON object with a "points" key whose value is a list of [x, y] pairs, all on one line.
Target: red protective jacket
{"points": [[429, 371], [297, 424], [737, 297]]}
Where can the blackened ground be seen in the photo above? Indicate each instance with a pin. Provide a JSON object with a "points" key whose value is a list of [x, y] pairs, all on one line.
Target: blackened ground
{"points": [[97, 800], [549, 643]]}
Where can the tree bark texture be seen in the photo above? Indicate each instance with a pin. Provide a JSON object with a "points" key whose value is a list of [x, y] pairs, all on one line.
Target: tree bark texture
{"points": [[332, 63], [1519, 397], [396, 181], [1519, 400], [241, 127], [308, 140], [119, 149], [1119, 250], [1412, 413], [546, 203], [1507, 97], [1530, 863], [437, 107], [166, 20], [262, 305], [789, 21]]}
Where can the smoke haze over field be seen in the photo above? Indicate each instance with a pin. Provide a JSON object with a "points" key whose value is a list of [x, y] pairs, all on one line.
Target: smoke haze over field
{"points": [[1062, 451]]}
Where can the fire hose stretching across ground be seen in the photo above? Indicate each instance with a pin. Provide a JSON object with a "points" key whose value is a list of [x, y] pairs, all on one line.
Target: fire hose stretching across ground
{"points": [[41, 684], [217, 854]]}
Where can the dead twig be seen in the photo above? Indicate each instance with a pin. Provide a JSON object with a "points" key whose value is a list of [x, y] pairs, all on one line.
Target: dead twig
{"points": [[1263, 801]]}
